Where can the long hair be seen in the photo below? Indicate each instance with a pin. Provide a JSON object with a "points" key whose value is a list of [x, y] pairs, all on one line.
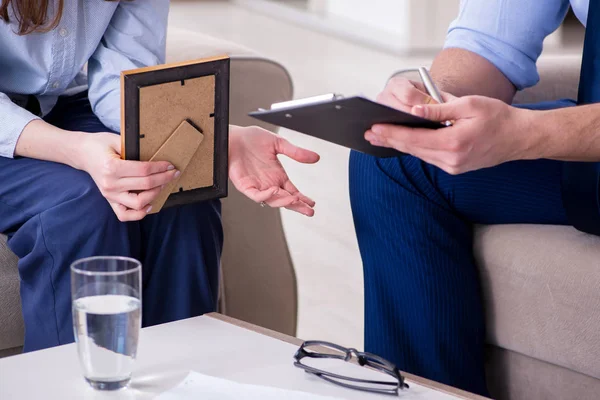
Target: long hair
{"points": [[32, 15]]}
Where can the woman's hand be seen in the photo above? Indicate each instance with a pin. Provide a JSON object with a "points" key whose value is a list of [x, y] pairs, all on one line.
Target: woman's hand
{"points": [[256, 171], [129, 186]]}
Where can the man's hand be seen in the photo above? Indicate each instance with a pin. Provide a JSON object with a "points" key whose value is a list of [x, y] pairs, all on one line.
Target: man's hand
{"points": [[129, 186], [256, 171], [403, 94], [486, 132]]}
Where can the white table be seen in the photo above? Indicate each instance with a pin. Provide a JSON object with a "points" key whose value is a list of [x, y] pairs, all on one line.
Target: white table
{"points": [[213, 345]]}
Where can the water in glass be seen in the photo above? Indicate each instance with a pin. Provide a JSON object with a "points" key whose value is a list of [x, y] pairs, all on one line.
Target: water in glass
{"points": [[106, 319]]}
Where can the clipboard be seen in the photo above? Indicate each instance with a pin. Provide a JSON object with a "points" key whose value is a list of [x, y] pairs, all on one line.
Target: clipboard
{"points": [[341, 120]]}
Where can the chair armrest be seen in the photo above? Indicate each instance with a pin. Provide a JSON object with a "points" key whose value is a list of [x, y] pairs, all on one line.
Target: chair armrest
{"points": [[258, 283]]}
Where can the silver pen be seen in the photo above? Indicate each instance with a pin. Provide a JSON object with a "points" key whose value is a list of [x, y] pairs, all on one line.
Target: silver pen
{"points": [[431, 88]]}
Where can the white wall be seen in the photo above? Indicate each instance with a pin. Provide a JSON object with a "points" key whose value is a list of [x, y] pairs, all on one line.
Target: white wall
{"points": [[386, 15], [415, 24]]}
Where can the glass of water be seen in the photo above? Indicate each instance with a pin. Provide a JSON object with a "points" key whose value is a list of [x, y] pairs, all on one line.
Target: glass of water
{"points": [[107, 318]]}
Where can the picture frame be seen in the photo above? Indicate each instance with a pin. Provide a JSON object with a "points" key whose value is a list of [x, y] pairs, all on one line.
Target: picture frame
{"points": [[156, 100]]}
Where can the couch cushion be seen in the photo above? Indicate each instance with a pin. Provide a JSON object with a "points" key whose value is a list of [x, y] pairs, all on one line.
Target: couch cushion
{"points": [[11, 320], [542, 292], [515, 376]]}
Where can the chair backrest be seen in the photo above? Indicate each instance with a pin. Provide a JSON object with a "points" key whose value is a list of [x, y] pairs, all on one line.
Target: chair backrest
{"points": [[258, 283], [258, 278]]}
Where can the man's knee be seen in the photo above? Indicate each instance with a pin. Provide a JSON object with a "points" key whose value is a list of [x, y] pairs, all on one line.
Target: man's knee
{"points": [[371, 176]]}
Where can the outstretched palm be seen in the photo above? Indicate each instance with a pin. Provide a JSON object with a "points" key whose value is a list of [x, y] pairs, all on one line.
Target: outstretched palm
{"points": [[256, 171]]}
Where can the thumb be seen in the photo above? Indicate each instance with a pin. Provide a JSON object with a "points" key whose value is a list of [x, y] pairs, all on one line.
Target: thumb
{"points": [[296, 153], [113, 141], [439, 112]]}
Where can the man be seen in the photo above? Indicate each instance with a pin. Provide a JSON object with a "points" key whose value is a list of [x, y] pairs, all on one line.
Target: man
{"points": [[497, 164]]}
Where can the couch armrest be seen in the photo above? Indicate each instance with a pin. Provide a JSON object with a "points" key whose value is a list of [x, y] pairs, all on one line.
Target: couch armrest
{"points": [[559, 79], [11, 320], [258, 282]]}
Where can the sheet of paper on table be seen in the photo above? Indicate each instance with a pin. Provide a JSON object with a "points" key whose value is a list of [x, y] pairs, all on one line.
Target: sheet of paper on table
{"points": [[198, 386]]}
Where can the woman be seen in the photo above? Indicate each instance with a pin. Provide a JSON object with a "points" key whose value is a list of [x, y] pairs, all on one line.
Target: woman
{"points": [[64, 191]]}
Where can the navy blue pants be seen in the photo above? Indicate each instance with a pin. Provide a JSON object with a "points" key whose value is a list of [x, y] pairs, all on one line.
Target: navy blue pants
{"points": [[414, 222], [54, 215]]}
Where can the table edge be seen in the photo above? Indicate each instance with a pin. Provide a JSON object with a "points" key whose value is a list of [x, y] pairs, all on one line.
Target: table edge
{"points": [[297, 342]]}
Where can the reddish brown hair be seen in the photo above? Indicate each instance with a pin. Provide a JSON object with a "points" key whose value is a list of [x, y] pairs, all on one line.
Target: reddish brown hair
{"points": [[32, 15]]}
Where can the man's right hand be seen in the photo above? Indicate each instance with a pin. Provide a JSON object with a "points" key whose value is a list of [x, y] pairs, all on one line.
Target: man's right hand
{"points": [[129, 186], [404, 94]]}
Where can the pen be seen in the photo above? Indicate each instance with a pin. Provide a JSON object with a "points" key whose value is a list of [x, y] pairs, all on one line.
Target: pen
{"points": [[431, 88]]}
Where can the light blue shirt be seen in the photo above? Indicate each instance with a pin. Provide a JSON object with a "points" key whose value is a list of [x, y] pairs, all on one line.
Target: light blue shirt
{"points": [[510, 33], [109, 36]]}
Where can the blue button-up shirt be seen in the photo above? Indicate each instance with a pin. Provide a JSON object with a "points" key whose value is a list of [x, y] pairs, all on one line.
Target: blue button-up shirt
{"points": [[109, 36], [510, 33]]}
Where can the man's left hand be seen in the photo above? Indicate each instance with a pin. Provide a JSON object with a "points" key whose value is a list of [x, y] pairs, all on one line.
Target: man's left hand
{"points": [[485, 132]]}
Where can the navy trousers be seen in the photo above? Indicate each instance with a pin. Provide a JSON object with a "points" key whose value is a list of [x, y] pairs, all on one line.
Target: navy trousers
{"points": [[414, 222], [54, 215]]}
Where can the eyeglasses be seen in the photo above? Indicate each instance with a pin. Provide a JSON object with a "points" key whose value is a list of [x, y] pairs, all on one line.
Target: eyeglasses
{"points": [[324, 350]]}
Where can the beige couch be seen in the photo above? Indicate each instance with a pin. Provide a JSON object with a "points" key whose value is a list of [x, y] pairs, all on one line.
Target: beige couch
{"points": [[542, 290], [541, 283]]}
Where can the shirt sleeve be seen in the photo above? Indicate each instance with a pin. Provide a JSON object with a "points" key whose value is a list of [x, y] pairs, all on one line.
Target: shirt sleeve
{"points": [[508, 33], [13, 119], [135, 38]]}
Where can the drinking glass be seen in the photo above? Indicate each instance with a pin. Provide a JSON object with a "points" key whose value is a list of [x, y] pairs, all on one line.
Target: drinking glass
{"points": [[107, 318]]}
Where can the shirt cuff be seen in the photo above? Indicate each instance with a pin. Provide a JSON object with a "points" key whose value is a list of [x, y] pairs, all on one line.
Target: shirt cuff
{"points": [[15, 119], [520, 69]]}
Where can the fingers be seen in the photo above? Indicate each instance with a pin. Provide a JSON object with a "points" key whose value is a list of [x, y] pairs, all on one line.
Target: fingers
{"points": [[437, 112], [406, 139], [297, 205], [302, 208], [288, 197], [257, 195], [454, 110], [126, 215], [447, 152], [291, 188], [282, 200], [133, 206], [388, 99], [126, 168], [296, 153], [403, 94], [138, 201], [407, 92], [146, 182]]}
